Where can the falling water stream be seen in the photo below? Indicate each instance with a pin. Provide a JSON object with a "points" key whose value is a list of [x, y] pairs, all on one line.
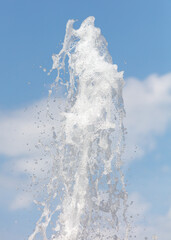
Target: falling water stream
{"points": [[86, 195]]}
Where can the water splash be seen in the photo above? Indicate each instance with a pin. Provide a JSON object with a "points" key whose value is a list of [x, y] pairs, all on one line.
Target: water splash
{"points": [[86, 195]]}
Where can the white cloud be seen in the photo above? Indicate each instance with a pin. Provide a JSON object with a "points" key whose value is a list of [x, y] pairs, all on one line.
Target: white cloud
{"points": [[23, 138], [148, 108], [21, 130]]}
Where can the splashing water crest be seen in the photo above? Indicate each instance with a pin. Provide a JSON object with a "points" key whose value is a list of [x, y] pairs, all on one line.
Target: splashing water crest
{"points": [[87, 199]]}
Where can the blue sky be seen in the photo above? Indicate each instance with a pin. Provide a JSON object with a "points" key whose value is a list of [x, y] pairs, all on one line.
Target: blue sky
{"points": [[139, 36]]}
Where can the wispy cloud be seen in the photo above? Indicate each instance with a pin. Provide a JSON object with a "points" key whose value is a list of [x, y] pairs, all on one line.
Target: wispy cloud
{"points": [[22, 200]]}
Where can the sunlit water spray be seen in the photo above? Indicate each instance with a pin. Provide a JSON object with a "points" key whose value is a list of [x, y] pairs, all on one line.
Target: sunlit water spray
{"points": [[86, 195]]}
